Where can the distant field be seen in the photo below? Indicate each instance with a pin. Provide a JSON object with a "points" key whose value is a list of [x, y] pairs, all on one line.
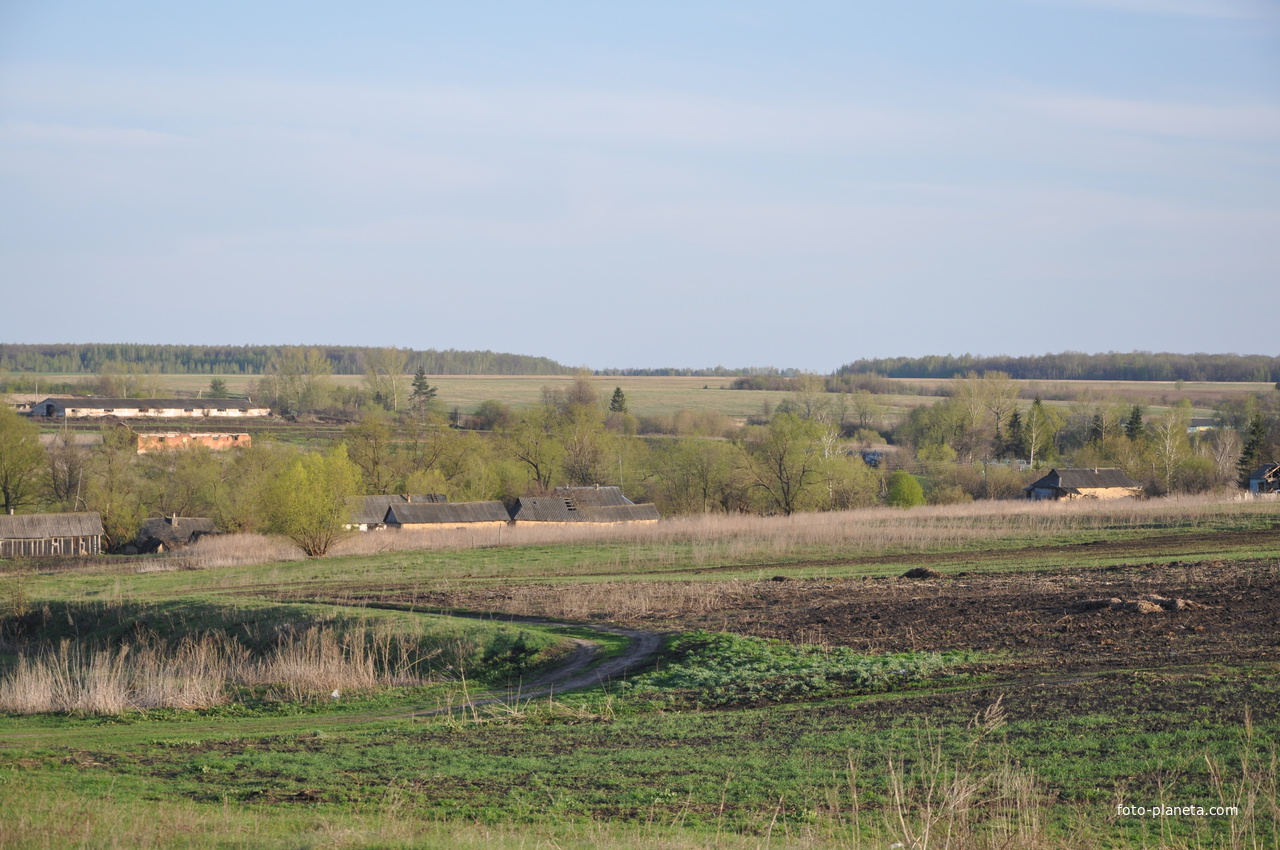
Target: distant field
{"points": [[650, 396]]}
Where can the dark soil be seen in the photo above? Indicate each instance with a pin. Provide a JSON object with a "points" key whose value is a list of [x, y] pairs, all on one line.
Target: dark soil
{"points": [[1230, 613]]}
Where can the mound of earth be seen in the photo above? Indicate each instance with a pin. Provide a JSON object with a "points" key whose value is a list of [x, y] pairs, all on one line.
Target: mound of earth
{"points": [[1148, 603], [921, 572]]}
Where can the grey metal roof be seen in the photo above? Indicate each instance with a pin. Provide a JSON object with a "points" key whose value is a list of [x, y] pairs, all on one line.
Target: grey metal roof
{"points": [[450, 512], [42, 526], [593, 496], [558, 509], [369, 510], [1085, 479]]}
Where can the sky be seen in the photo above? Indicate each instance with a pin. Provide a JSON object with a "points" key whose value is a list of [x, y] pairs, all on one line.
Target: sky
{"points": [[688, 184]]}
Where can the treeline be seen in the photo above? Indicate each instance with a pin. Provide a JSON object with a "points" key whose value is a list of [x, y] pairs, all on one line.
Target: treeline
{"points": [[716, 372], [94, 358], [1074, 365]]}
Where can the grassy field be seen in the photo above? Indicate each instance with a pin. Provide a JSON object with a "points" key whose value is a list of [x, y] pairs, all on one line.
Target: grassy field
{"points": [[828, 703], [651, 396]]}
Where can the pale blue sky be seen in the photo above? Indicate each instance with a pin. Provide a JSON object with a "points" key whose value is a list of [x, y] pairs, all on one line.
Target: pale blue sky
{"points": [[660, 184]]}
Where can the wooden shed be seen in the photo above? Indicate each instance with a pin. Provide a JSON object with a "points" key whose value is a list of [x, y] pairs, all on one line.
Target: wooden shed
{"points": [[37, 535]]}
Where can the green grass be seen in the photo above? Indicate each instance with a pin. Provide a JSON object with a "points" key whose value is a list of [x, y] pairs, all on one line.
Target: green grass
{"points": [[813, 765]]}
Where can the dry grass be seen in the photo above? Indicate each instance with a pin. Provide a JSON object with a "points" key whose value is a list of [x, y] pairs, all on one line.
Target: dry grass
{"points": [[228, 550], [200, 671], [719, 538]]}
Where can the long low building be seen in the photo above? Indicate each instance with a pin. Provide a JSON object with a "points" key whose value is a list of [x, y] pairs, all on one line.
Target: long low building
{"points": [[148, 408], [573, 505], [36, 535], [463, 516]]}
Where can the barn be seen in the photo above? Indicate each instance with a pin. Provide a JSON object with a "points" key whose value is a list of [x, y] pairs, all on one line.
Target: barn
{"points": [[572, 505], [1084, 484], [37, 535], [435, 516], [148, 408], [368, 512]]}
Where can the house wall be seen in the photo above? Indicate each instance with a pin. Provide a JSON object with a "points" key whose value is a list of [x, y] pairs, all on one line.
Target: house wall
{"points": [[45, 546], [136, 412], [176, 440], [451, 526], [583, 523], [1104, 493]]}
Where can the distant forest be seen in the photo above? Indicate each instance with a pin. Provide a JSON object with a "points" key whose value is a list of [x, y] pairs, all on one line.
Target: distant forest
{"points": [[1072, 365], [90, 359]]}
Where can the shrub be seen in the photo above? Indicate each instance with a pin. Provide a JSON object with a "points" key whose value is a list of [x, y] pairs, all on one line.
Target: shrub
{"points": [[904, 491]]}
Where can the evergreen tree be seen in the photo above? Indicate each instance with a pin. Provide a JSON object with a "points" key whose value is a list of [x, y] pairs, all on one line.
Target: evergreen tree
{"points": [[1133, 427], [1255, 443], [217, 388], [618, 404], [1014, 440], [423, 392]]}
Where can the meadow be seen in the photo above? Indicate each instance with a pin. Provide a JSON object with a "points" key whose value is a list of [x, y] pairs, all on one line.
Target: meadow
{"points": [[804, 695], [666, 395]]}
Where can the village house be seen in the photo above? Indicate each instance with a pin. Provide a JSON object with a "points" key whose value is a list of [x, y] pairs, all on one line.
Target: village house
{"points": [[36, 535], [171, 440], [148, 408], [167, 533], [368, 512], [572, 505], [1084, 484], [1265, 479]]}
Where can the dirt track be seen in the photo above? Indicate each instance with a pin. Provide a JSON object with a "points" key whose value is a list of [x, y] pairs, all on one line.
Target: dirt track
{"points": [[1025, 618]]}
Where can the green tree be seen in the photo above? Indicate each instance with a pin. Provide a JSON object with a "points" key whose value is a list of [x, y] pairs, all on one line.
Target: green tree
{"points": [[1134, 428], [217, 388], [586, 446], [423, 393], [1255, 446], [1039, 429], [1169, 440], [532, 442], [369, 445], [384, 373], [113, 487], [21, 459], [904, 490], [618, 404], [786, 461], [308, 502], [183, 481], [297, 380], [493, 416]]}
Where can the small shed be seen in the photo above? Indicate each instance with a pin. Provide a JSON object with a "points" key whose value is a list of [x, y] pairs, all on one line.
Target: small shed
{"points": [[1265, 479], [37, 535], [447, 515], [368, 512], [167, 533], [1069, 484]]}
